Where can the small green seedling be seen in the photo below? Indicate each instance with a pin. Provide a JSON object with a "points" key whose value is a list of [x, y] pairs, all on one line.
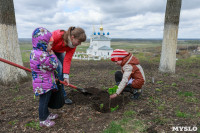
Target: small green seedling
{"points": [[112, 90], [159, 82], [13, 122], [174, 84], [101, 106], [114, 109]]}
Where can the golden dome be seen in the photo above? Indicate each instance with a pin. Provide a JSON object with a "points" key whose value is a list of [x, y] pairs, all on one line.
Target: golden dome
{"points": [[101, 28]]}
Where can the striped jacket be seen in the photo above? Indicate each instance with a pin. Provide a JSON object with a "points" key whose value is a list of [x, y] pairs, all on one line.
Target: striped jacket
{"points": [[131, 70]]}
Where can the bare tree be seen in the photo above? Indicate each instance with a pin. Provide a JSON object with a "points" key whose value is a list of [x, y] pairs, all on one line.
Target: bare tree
{"points": [[9, 47], [169, 43]]}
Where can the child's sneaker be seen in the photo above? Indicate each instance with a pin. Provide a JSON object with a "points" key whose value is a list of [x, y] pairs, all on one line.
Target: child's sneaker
{"points": [[52, 116], [47, 123]]}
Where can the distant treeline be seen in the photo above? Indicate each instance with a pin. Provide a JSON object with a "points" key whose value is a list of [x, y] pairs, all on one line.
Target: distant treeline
{"points": [[155, 40], [25, 40]]}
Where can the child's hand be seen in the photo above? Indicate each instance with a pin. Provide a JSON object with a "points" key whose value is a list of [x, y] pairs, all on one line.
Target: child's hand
{"points": [[113, 96], [49, 46], [51, 52]]}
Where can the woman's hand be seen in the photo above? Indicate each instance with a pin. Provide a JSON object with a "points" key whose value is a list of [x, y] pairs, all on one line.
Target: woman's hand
{"points": [[113, 96], [66, 80]]}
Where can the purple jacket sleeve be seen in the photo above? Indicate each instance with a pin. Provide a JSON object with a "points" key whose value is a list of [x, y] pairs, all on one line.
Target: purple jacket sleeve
{"points": [[48, 62]]}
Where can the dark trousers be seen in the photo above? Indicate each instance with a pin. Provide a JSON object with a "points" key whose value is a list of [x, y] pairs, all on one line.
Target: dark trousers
{"points": [[118, 79], [59, 69], [43, 105]]}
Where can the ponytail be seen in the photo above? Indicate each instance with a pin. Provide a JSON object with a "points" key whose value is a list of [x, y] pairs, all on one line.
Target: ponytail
{"points": [[77, 32]]}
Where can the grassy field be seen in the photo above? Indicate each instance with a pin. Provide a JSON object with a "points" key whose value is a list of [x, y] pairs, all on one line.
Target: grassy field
{"points": [[139, 48]]}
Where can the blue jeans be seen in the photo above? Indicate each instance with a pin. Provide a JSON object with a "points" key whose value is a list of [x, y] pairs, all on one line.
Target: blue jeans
{"points": [[43, 105], [59, 69]]}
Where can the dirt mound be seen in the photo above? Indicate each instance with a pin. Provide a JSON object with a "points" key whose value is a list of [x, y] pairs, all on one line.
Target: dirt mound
{"points": [[99, 99]]}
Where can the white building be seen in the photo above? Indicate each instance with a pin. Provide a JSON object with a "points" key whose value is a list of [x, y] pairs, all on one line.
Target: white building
{"points": [[100, 44]]}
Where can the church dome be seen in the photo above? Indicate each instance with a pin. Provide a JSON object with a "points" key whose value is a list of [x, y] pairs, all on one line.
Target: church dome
{"points": [[108, 33], [103, 33], [94, 33], [98, 33], [101, 28]]}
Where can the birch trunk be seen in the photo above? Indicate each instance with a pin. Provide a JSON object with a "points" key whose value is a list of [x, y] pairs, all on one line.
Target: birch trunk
{"points": [[170, 35], [9, 47]]}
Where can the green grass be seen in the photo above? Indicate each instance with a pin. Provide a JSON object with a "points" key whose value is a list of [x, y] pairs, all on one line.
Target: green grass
{"points": [[161, 120], [193, 75], [182, 114], [14, 122], [186, 94], [114, 128], [129, 113], [25, 46], [33, 124], [133, 45], [159, 82], [174, 84], [157, 89], [82, 48], [191, 60], [189, 97], [154, 100], [161, 107], [18, 98], [182, 79], [128, 123], [192, 100], [137, 125], [112, 72], [26, 56]]}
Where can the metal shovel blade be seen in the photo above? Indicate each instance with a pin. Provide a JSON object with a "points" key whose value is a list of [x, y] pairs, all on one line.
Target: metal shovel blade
{"points": [[82, 90]]}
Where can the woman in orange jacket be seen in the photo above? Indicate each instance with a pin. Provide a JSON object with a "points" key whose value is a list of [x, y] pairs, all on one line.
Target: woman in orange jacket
{"points": [[64, 43]]}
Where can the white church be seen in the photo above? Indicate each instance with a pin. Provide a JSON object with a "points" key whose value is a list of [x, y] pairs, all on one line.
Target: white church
{"points": [[100, 44]]}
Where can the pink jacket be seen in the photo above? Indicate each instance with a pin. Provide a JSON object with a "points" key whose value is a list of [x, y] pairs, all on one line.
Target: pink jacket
{"points": [[42, 63]]}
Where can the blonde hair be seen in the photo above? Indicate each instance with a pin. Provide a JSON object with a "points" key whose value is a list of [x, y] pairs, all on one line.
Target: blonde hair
{"points": [[78, 33]]}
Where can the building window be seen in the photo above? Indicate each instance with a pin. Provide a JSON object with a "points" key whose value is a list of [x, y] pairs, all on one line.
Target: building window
{"points": [[108, 53]]}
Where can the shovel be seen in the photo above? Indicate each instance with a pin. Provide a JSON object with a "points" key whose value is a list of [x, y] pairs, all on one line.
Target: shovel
{"points": [[82, 90]]}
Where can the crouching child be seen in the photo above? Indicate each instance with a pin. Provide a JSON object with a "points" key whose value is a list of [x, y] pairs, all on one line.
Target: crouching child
{"points": [[131, 78]]}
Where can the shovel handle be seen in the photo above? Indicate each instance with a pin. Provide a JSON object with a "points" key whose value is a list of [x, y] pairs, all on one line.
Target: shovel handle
{"points": [[29, 70], [64, 83], [14, 64]]}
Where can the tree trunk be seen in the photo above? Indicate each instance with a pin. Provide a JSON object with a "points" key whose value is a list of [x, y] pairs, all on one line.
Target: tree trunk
{"points": [[9, 47], [169, 43]]}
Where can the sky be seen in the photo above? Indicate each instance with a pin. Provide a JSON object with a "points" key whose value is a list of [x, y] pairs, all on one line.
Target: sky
{"points": [[121, 18]]}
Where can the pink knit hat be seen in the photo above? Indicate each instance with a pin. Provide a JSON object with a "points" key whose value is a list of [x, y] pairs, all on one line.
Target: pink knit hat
{"points": [[118, 54]]}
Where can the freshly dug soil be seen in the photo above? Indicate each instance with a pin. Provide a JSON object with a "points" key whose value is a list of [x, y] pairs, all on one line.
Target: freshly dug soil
{"points": [[99, 99]]}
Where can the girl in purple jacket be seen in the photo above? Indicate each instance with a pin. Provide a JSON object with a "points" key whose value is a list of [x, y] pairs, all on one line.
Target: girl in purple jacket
{"points": [[42, 65]]}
